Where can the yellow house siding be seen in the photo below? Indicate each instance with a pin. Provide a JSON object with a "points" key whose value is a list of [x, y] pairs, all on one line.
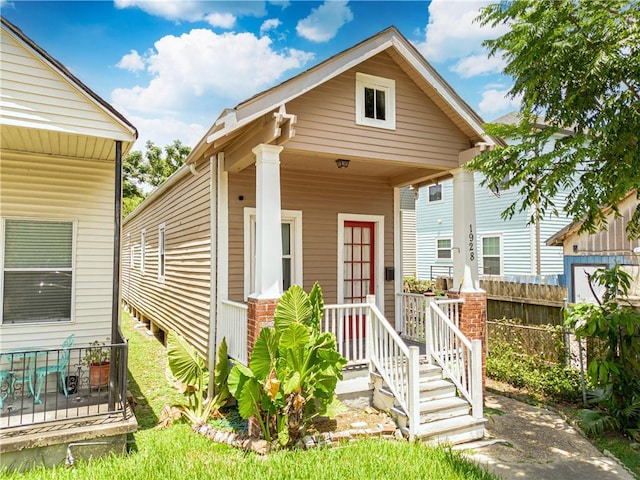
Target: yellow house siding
{"points": [[35, 95], [321, 199], [423, 134], [76, 190], [180, 303]]}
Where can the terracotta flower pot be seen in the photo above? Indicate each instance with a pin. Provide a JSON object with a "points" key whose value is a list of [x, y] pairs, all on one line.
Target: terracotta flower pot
{"points": [[99, 375]]}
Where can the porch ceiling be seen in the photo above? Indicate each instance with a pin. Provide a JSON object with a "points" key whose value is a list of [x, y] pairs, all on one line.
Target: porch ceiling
{"points": [[397, 175], [58, 143]]}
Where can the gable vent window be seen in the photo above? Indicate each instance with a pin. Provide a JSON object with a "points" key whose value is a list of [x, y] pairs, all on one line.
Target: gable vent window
{"points": [[375, 101]]}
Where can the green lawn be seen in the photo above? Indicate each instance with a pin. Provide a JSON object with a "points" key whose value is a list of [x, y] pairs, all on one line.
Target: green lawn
{"points": [[178, 453]]}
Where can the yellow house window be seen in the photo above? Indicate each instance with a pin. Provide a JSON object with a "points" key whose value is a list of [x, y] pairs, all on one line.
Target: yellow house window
{"points": [[37, 271]]}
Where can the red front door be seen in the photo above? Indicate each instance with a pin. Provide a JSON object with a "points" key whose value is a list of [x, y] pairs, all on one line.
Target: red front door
{"points": [[358, 268]]}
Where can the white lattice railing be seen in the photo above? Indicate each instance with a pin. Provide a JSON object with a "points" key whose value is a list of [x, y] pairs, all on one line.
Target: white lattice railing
{"points": [[232, 325], [413, 315], [377, 342], [460, 359]]}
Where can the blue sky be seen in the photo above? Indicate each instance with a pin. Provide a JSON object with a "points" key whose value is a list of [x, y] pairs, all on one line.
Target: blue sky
{"points": [[171, 67]]}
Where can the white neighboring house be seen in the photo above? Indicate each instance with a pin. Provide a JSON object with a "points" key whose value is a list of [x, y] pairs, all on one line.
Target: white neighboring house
{"points": [[512, 249], [61, 153]]}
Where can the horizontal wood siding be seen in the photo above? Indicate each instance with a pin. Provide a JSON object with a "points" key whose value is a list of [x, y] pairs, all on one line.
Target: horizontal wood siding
{"points": [[518, 239], [408, 242], [180, 303], [613, 240], [423, 134], [320, 198], [48, 188], [35, 95]]}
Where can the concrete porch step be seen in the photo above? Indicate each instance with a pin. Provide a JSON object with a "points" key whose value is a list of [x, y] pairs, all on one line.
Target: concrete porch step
{"points": [[451, 431]]}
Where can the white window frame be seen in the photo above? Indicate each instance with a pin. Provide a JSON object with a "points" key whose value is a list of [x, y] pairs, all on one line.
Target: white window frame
{"points": [[143, 249], [293, 217], [74, 239], [162, 252], [386, 85], [378, 220], [482, 255], [439, 185], [438, 249]]}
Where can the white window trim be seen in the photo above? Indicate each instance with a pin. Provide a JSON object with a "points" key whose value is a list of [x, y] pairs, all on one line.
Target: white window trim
{"points": [[74, 241], [441, 193], [143, 249], [162, 228], [481, 253], [385, 84], [378, 220], [292, 216], [444, 260]]}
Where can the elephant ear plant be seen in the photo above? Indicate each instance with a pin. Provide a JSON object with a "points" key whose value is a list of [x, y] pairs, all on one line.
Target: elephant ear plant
{"points": [[189, 370], [293, 370]]}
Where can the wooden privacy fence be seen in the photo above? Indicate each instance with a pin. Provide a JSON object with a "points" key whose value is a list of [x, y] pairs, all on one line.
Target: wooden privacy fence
{"points": [[533, 304]]}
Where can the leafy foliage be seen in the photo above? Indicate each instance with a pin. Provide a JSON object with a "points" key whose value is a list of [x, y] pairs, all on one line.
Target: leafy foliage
{"points": [[293, 370], [415, 285], [508, 363], [616, 374], [141, 172], [576, 66], [189, 370]]}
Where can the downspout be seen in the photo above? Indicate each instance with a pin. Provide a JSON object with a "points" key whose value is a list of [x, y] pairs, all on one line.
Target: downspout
{"points": [[115, 295], [213, 278]]}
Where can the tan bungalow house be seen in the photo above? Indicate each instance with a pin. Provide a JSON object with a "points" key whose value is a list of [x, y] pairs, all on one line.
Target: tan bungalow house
{"points": [[60, 167], [301, 184]]}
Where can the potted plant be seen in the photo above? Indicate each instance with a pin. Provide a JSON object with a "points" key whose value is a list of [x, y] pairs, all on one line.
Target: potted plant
{"points": [[97, 357]]}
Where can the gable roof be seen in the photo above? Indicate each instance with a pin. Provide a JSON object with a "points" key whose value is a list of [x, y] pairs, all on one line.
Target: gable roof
{"points": [[42, 94], [390, 40]]}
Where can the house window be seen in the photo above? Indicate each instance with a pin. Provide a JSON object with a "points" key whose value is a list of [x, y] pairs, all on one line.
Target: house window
{"points": [[375, 101], [491, 256], [443, 249], [435, 193], [143, 249], [37, 271], [161, 252], [291, 231]]}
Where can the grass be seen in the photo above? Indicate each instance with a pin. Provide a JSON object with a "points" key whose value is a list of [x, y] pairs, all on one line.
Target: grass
{"points": [[178, 453]]}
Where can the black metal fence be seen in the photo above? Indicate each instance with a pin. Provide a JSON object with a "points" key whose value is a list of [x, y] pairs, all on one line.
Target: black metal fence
{"points": [[40, 386]]}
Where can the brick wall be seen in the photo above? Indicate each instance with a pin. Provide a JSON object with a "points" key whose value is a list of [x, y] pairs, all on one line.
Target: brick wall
{"points": [[260, 313]]}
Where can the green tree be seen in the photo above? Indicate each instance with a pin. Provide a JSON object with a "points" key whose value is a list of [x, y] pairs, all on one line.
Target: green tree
{"points": [[144, 172], [576, 66]]}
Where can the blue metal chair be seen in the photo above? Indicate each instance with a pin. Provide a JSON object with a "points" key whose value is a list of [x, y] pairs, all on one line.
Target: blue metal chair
{"points": [[60, 369], [6, 385]]}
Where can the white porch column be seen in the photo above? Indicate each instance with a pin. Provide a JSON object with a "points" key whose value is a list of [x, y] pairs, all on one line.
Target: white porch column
{"points": [[465, 244], [268, 222]]}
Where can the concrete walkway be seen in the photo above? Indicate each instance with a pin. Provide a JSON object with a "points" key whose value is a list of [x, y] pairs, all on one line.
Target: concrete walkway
{"points": [[536, 443]]}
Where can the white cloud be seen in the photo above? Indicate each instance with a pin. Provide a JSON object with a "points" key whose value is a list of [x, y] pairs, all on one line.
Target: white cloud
{"points": [[270, 24], [496, 101], [222, 20], [218, 14], [452, 32], [191, 72], [132, 62], [323, 22], [481, 64]]}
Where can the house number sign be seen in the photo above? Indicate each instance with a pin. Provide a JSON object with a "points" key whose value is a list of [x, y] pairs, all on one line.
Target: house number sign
{"points": [[472, 252]]}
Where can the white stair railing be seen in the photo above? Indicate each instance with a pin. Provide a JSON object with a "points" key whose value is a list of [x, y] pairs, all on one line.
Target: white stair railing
{"points": [[232, 325], [459, 358], [377, 343]]}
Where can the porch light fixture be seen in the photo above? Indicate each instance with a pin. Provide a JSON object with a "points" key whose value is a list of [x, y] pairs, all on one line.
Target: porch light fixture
{"points": [[342, 163]]}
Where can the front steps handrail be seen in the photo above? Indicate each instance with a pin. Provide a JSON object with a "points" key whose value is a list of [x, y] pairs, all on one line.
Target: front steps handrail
{"points": [[396, 363], [459, 358]]}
